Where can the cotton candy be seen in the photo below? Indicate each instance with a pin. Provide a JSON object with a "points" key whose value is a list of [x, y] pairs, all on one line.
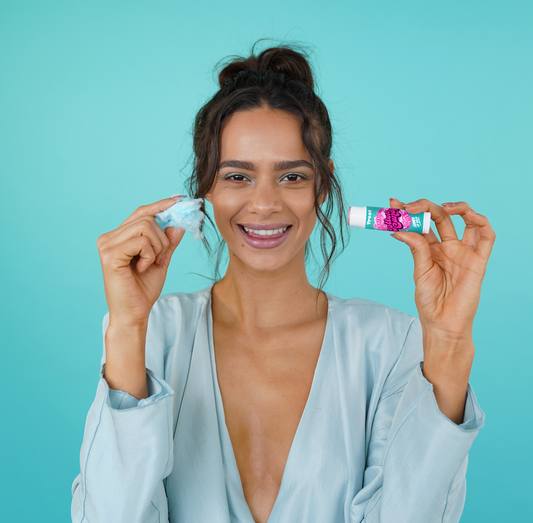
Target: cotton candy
{"points": [[184, 214]]}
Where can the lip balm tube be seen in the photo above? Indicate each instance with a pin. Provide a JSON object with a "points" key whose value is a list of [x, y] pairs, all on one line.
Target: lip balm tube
{"points": [[387, 219]]}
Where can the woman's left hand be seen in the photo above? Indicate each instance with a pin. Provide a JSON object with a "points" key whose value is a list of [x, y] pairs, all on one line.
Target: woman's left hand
{"points": [[448, 273]]}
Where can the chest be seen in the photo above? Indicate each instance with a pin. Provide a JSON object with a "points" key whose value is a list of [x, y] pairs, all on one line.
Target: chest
{"points": [[265, 380]]}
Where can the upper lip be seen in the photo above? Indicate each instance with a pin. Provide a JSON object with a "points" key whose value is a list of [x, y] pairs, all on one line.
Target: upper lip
{"points": [[264, 226]]}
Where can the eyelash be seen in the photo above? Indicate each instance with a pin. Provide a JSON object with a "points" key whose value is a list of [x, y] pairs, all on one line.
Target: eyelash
{"points": [[230, 176]]}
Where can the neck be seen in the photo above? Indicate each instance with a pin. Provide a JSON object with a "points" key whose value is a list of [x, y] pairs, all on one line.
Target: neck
{"points": [[267, 299]]}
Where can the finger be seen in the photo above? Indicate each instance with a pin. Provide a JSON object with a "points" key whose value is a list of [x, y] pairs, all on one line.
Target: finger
{"points": [[396, 204], [471, 233], [148, 211], [119, 256], [174, 236], [442, 219], [152, 209], [431, 237], [146, 227], [419, 249], [165, 242], [478, 232]]}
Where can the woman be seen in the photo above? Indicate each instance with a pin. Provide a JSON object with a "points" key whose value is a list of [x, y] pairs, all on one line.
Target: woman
{"points": [[262, 398]]}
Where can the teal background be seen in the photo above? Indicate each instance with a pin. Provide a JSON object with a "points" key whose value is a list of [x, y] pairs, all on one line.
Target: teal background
{"points": [[428, 100]]}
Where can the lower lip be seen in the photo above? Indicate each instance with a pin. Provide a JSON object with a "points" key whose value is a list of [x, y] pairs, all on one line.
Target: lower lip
{"points": [[265, 242]]}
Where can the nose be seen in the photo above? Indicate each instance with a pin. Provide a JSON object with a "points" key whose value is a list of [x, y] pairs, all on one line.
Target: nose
{"points": [[264, 198]]}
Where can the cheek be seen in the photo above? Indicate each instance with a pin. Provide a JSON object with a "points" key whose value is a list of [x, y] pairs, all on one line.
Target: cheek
{"points": [[303, 207], [225, 207]]}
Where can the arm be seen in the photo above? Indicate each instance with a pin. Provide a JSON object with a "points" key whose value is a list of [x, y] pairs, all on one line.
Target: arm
{"points": [[447, 365], [126, 452], [448, 274], [417, 457], [416, 461], [125, 366], [127, 445]]}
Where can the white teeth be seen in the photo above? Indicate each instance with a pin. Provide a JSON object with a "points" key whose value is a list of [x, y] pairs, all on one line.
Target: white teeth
{"points": [[265, 232]]}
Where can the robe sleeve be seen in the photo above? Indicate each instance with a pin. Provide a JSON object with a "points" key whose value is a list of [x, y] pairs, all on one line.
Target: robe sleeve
{"points": [[417, 458], [126, 453]]}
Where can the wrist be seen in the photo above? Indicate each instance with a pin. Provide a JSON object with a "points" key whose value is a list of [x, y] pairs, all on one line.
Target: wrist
{"points": [[125, 367], [118, 323], [445, 339], [125, 342], [452, 357], [447, 365], [124, 328]]}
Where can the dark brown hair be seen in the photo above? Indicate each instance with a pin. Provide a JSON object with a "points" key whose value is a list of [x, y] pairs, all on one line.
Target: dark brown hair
{"points": [[277, 78]]}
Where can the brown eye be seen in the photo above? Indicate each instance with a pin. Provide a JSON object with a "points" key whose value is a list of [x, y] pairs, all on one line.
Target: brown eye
{"points": [[235, 177], [293, 177]]}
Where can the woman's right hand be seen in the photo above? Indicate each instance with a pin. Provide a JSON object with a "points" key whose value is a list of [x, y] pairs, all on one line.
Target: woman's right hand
{"points": [[135, 258]]}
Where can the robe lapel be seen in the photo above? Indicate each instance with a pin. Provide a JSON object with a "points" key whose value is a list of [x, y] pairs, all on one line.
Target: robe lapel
{"points": [[196, 488]]}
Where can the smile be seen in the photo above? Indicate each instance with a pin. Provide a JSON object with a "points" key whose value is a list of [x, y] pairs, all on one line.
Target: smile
{"points": [[264, 238], [266, 232]]}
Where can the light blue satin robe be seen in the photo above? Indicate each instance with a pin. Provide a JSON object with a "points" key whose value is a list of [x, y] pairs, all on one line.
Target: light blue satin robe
{"points": [[372, 445]]}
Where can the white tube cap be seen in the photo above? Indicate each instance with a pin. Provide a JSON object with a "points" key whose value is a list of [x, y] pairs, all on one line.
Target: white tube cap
{"points": [[427, 223], [357, 216]]}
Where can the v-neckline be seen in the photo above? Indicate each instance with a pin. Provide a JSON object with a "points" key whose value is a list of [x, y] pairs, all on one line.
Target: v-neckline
{"points": [[317, 377]]}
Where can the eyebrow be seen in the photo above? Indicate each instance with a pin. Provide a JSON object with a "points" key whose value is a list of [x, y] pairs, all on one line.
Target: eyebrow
{"points": [[278, 166]]}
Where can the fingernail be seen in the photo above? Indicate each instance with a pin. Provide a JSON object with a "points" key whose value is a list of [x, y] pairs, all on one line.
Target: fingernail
{"points": [[448, 204], [161, 260], [396, 238], [176, 196], [470, 209], [409, 204]]}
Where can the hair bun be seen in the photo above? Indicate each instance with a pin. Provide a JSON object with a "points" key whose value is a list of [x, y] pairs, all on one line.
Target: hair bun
{"points": [[281, 60]]}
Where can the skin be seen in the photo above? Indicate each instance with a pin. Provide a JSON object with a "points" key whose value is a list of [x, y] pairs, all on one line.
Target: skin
{"points": [[448, 274], [268, 326], [268, 320]]}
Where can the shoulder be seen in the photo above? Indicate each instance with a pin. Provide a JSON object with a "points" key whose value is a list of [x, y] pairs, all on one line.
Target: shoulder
{"points": [[172, 327], [370, 316], [181, 306], [374, 335], [176, 315]]}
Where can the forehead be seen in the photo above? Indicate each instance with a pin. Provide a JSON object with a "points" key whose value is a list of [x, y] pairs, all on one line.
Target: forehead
{"points": [[262, 135]]}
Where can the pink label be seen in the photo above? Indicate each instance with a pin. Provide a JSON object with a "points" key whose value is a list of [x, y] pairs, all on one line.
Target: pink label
{"points": [[392, 220]]}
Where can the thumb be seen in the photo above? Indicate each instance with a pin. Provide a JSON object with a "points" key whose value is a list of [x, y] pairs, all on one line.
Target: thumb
{"points": [[174, 236], [419, 249]]}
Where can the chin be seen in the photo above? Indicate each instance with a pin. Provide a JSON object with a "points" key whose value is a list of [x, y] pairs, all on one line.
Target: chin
{"points": [[264, 261]]}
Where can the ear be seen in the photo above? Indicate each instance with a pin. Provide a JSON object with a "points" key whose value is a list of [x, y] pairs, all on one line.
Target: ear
{"points": [[331, 166], [209, 194]]}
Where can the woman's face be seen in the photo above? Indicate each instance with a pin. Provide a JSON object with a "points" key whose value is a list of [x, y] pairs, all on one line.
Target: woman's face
{"points": [[264, 183]]}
